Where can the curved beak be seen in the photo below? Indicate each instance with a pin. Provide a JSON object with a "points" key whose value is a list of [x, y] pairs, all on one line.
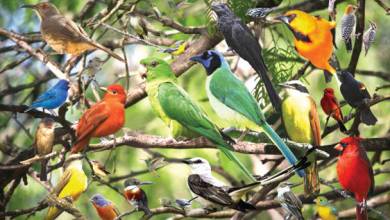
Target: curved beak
{"points": [[197, 58], [28, 6]]}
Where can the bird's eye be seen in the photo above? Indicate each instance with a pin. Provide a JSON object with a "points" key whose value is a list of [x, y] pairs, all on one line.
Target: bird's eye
{"points": [[198, 161], [343, 144], [153, 63], [114, 92]]}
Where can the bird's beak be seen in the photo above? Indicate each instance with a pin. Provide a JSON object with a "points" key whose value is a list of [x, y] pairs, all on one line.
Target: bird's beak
{"points": [[186, 161], [339, 147], [144, 75], [197, 58], [146, 183], [283, 19], [283, 85], [28, 6], [103, 88]]}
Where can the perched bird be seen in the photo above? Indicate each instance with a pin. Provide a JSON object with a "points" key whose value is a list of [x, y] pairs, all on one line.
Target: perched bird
{"points": [[289, 201], [99, 169], [138, 25], [237, 105], [331, 107], [44, 141], [356, 95], [105, 209], [173, 104], [348, 25], [136, 196], [331, 10], [102, 119], [355, 172], [239, 38], [212, 192], [179, 48], [259, 12], [368, 37], [313, 38], [325, 210], [72, 183], [302, 124], [53, 97], [64, 35]]}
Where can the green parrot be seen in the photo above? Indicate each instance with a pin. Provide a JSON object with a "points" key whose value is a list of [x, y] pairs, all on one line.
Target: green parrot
{"points": [[232, 101], [174, 106]]}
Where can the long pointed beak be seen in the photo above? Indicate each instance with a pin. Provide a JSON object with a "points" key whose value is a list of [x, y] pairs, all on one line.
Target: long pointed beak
{"points": [[338, 147], [197, 58], [146, 183], [103, 88], [283, 19], [28, 6], [283, 85], [186, 161]]}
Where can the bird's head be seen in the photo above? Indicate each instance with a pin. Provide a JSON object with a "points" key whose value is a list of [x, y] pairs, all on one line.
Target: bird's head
{"points": [[350, 9], [134, 182], [372, 25], [47, 123], [43, 9], [116, 92], [198, 165], [300, 23], [156, 69], [99, 200], [351, 143], [322, 201], [328, 91], [344, 76], [221, 9], [294, 87], [62, 84], [211, 60]]}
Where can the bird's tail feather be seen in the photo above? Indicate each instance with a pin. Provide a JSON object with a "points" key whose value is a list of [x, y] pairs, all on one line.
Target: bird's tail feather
{"points": [[284, 149], [342, 126], [43, 175], [230, 155], [368, 117], [105, 49], [348, 44], [276, 102], [311, 183], [328, 76]]}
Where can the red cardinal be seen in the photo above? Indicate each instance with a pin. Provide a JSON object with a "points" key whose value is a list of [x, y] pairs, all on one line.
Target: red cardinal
{"points": [[332, 108], [102, 119], [355, 172]]}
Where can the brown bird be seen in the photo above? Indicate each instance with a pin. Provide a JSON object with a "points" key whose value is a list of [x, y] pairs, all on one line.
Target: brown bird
{"points": [[64, 35], [99, 169], [44, 141]]}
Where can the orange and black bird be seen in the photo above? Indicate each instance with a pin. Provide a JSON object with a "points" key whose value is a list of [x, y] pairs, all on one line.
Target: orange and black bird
{"points": [[136, 196], [313, 38], [331, 107], [64, 35], [44, 141], [356, 95]]}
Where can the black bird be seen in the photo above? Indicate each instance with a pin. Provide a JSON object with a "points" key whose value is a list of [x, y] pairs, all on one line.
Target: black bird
{"points": [[239, 38], [356, 95]]}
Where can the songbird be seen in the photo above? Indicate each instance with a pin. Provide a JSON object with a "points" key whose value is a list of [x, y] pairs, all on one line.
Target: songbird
{"points": [[239, 38], [102, 119], [313, 38], [356, 95], [72, 183], [331, 9], [355, 172], [325, 210], [368, 37], [44, 141], [237, 105], [331, 107], [214, 193], [348, 26], [105, 209], [178, 49], [136, 196], [138, 25], [289, 201], [53, 97], [99, 169], [302, 124], [173, 104], [259, 12], [64, 35]]}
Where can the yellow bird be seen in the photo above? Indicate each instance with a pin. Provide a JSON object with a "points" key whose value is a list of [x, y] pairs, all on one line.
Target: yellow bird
{"points": [[325, 210], [72, 183]]}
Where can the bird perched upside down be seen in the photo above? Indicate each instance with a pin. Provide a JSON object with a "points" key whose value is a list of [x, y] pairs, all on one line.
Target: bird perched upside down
{"points": [[105, 209], [355, 172], [136, 196], [62, 34], [368, 37], [44, 141], [102, 119], [332, 108]]}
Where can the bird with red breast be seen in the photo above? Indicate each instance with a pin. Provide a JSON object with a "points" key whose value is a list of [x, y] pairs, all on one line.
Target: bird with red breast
{"points": [[331, 107], [105, 209], [355, 172], [102, 119]]}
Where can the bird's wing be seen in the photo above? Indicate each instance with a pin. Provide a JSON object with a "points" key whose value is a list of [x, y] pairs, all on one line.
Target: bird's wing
{"points": [[209, 192], [49, 94], [364, 91], [232, 92], [294, 204], [366, 162], [69, 29], [178, 106], [91, 119], [335, 101], [62, 183], [315, 123]]}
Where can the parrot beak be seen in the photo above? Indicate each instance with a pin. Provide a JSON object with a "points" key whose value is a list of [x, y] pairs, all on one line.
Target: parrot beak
{"points": [[197, 58], [339, 147], [28, 6]]}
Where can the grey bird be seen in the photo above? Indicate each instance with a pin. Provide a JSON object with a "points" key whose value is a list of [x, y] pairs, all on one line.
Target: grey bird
{"points": [[289, 202], [259, 12], [368, 37], [239, 38]]}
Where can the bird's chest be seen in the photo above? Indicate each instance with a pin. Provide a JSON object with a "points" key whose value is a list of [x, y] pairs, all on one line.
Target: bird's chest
{"points": [[106, 212], [44, 141], [133, 195], [113, 123]]}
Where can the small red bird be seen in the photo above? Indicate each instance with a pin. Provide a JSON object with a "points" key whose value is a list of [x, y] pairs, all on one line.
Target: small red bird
{"points": [[355, 172], [102, 119], [105, 209], [331, 107]]}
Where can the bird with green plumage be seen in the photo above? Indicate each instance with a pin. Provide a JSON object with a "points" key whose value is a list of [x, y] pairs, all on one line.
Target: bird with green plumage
{"points": [[177, 109]]}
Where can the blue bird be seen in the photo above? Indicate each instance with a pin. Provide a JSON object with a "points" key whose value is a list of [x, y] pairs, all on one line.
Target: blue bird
{"points": [[52, 98]]}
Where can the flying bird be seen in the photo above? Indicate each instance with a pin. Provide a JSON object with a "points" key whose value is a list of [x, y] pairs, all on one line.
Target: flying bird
{"points": [[173, 105], [325, 209], [302, 124], [355, 172], [232, 101], [348, 26], [102, 119], [136, 196], [105, 209], [72, 183], [99, 169], [289, 201], [331, 107], [313, 39], [44, 141], [239, 38], [53, 98], [369, 37], [213, 192], [64, 35], [356, 95]]}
